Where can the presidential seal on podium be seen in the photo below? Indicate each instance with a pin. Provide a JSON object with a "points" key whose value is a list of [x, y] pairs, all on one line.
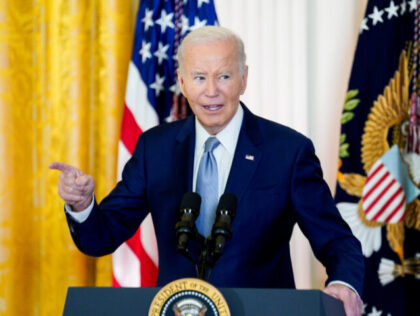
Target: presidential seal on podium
{"points": [[189, 297]]}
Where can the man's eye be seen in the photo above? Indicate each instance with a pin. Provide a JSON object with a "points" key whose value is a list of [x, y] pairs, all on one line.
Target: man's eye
{"points": [[224, 77], [199, 78]]}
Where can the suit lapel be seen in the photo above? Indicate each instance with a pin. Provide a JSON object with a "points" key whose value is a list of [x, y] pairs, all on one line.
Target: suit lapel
{"points": [[247, 155], [184, 156], [245, 161]]}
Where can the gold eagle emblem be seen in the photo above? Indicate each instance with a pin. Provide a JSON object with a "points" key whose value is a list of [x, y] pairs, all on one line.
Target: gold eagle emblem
{"points": [[390, 110]]}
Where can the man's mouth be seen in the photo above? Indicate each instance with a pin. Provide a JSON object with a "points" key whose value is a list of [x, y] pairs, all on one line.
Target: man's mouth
{"points": [[213, 107]]}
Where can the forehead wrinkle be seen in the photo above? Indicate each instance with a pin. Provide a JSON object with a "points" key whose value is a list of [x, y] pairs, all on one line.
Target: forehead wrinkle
{"points": [[223, 67], [221, 72], [195, 73]]}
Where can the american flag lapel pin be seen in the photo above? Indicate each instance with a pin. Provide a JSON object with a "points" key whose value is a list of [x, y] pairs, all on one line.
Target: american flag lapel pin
{"points": [[249, 157]]}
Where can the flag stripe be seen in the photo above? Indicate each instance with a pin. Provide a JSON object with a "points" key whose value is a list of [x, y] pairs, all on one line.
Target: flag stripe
{"points": [[123, 156], [374, 183], [130, 130], [136, 100], [148, 269], [373, 201], [399, 214], [376, 168], [149, 244], [388, 202], [115, 282], [126, 266], [132, 242], [392, 196], [382, 192], [398, 209]]}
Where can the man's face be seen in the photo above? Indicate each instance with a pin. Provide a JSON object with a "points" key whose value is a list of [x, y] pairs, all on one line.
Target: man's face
{"points": [[212, 82]]}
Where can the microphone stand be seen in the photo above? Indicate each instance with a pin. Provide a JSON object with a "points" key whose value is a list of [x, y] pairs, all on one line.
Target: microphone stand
{"points": [[203, 260], [208, 258]]}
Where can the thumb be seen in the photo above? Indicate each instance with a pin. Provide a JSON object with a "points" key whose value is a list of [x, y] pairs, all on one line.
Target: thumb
{"points": [[83, 179], [328, 290]]}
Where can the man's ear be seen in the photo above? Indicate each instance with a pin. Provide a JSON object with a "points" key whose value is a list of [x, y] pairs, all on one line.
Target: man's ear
{"points": [[244, 80], [180, 81]]}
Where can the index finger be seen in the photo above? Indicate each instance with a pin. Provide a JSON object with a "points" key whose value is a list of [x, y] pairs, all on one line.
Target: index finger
{"points": [[61, 166]]}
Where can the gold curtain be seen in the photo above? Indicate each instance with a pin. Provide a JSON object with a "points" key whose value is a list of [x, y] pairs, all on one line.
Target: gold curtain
{"points": [[63, 68]]}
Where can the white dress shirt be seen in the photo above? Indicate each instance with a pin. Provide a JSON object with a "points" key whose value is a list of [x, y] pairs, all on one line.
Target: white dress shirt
{"points": [[228, 138]]}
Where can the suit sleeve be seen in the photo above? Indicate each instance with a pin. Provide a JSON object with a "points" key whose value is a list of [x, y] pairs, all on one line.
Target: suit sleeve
{"points": [[119, 215], [329, 235]]}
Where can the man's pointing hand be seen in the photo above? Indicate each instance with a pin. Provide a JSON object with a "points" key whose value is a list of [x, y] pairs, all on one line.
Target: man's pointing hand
{"points": [[75, 187]]}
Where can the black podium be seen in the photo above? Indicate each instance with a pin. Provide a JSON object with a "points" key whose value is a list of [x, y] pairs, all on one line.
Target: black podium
{"points": [[91, 301]]}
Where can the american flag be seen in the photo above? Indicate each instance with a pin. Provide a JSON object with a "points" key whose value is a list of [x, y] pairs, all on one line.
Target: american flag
{"points": [[153, 97]]}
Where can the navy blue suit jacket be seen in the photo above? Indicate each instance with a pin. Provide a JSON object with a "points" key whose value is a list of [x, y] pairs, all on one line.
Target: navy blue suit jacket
{"points": [[281, 186]]}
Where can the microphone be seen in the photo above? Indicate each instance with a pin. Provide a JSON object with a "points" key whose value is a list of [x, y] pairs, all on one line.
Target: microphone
{"points": [[185, 227], [222, 228]]}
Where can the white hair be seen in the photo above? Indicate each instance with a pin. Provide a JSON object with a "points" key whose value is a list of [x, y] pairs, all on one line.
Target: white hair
{"points": [[207, 34]]}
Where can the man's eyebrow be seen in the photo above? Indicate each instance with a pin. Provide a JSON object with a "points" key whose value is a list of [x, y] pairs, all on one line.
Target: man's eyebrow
{"points": [[196, 73]]}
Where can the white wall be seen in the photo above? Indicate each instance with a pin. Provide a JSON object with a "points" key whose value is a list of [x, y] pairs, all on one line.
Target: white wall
{"points": [[300, 54]]}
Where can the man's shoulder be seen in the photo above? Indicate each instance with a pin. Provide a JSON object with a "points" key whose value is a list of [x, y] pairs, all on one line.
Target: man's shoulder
{"points": [[277, 132], [276, 127], [169, 130]]}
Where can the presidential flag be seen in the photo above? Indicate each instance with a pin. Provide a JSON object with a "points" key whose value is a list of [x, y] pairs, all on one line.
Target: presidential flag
{"points": [[153, 97], [379, 166]]}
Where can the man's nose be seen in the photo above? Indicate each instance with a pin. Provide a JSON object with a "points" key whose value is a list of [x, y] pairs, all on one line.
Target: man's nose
{"points": [[211, 88]]}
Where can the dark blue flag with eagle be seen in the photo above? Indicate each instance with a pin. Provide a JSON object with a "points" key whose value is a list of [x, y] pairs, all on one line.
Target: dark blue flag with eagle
{"points": [[379, 166]]}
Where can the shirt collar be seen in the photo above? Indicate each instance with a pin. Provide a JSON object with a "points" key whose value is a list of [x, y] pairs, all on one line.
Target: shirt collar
{"points": [[228, 136]]}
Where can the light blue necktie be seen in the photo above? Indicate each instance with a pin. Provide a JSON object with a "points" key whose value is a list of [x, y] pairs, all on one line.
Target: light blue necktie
{"points": [[207, 187]]}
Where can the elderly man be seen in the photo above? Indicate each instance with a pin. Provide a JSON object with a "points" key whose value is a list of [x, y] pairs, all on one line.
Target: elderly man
{"points": [[271, 169]]}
